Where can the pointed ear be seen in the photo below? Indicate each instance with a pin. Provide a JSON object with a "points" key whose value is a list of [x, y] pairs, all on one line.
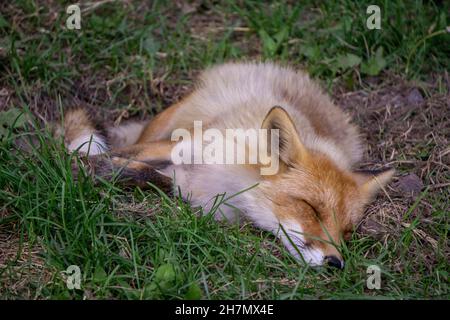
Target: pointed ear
{"points": [[290, 148], [371, 181]]}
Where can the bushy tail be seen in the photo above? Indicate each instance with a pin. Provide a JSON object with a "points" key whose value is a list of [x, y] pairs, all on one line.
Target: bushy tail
{"points": [[80, 133]]}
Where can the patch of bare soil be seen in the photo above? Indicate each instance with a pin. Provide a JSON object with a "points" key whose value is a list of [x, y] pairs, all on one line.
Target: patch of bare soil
{"points": [[407, 126]]}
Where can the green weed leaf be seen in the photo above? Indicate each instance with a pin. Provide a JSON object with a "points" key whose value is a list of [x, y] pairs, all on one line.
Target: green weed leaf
{"points": [[375, 64], [194, 292], [348, 61]]}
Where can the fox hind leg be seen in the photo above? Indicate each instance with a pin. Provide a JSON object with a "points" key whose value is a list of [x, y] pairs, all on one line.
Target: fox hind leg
{"points": [[134, 165], [126, 171]]}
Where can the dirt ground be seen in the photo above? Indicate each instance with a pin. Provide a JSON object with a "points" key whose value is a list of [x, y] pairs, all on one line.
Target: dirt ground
{"points": [[407, 127]]}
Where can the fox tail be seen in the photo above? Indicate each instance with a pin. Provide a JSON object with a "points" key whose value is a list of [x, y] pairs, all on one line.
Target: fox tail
{"points": [[81, 133]]}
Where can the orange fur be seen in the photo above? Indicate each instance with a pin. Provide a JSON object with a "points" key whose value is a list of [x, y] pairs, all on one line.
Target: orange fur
{"points": [[313, 201]]}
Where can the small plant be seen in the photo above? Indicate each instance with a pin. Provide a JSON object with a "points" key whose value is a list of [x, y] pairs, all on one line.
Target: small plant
{"points": [[11, 119]]}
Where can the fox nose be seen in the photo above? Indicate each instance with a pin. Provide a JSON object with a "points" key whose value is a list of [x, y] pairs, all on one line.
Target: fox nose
{"points": [[334, 262]]}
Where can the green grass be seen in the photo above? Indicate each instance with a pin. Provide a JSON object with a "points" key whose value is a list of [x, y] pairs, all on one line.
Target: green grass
{"points": [[170, 252], [138, 244]]}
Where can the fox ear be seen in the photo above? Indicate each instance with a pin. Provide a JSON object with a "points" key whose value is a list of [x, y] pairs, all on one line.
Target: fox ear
{"points": [[290, 148], [371, 181]]}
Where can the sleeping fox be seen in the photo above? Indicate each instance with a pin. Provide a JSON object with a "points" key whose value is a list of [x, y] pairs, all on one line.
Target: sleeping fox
{"points": [[311, 199]]}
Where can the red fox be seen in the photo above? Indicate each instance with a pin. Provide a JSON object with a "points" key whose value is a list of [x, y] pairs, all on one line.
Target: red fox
{"points": [[311, 201]]}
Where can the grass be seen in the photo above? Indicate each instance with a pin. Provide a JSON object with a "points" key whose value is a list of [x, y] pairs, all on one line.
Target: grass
{"points": [[132, 60]]}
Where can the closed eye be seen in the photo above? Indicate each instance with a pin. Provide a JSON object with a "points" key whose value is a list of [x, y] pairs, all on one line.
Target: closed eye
{"points": [[313, 209]]}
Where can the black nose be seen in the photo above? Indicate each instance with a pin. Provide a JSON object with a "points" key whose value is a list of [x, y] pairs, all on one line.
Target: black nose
{"points": [[334, 262]]}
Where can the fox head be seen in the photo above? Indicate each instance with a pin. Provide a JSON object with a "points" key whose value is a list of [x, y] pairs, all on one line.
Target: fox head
{"points": [[316, 201]]}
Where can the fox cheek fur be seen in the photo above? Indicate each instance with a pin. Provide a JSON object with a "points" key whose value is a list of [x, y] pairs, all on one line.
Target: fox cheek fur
{"points": [[314, 199]]}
